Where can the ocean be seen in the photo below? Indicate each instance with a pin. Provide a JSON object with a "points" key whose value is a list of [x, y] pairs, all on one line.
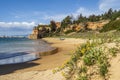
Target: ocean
{"points": [[19, 50]]}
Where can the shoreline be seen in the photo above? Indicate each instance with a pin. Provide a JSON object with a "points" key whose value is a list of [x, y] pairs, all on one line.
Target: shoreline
{"points": [[65, 48], [42, 69]]}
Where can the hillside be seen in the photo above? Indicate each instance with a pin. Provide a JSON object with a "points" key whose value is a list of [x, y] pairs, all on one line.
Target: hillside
{"points": [[112, 25], [107, 21]]}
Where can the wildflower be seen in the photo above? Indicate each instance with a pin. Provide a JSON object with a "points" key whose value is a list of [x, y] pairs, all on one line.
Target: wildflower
{"points": [[83, 50]]}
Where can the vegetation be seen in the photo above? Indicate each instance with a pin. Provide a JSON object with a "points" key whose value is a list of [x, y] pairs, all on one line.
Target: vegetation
{"points": [[90, 60], [69, 23], [65, 22], [69, 31], [53, 26], [110, 15], [113, 25]]}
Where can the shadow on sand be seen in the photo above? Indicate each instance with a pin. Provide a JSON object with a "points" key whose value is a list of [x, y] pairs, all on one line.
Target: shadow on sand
{"points": [[7, 69]]}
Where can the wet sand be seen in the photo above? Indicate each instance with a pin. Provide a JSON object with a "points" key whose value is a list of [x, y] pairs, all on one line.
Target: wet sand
{"points": [[41, 69], [65, 49]]}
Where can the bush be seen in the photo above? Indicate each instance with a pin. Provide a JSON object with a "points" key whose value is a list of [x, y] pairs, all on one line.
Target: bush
{"points": [[113, 25], [82, 78], [103, 69], [89, 56], [69, 31], [113, 51]]}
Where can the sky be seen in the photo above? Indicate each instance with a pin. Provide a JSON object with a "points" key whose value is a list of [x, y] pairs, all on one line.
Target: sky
{"points": [[18, 17]]}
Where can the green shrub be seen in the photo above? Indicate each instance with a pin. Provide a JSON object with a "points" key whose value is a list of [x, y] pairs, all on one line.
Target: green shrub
{"points": [[69, 31], [90, 55], [82, 78], [82, 69], [113, 25], [103, 69], [88, 60], [113, 51]]}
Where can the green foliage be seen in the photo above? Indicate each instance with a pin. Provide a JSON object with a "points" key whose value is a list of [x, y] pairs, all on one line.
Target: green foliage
{"points": [[113, 25], [83, 69], [82, 78], [88, 60], [80, 19], [115, 15], [90, 55], [113, 51], [69, 20], [94, 18], [69, 31], [53, 26], [108, 15], [65, 22], [103, 69]]}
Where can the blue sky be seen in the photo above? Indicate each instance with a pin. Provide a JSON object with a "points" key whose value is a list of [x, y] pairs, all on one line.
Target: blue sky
{"points": [[18, 17]]}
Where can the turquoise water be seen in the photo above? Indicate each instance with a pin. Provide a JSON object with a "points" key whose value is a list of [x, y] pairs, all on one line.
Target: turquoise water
{"points": [[12, 45], [18, 50]]}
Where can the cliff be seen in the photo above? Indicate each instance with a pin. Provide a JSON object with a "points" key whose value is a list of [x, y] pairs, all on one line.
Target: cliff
{"points": [[37, 34], [41, 30], [88, 25]]}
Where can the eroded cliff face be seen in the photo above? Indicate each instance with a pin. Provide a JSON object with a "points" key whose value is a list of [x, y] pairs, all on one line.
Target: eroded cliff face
{"points": [[34, 34], [96, 25], [39, 33], [88, 25]]}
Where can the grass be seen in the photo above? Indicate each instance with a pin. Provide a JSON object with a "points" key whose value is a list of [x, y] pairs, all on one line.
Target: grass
{"points": [[112, 25], [103, 69], [91, 35], [114, 51], [82, 78], [92, 56]]}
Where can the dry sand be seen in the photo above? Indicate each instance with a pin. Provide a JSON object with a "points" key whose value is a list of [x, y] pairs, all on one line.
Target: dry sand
{"points": [[114, 70], [41, 69]]}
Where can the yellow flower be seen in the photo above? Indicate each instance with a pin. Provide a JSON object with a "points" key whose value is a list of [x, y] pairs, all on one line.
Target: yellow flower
{"points": [[83, 50], [54, 71], [63, 74]]}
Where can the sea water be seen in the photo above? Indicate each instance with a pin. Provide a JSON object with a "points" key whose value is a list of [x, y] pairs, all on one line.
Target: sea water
{"points": [[19, 50]]}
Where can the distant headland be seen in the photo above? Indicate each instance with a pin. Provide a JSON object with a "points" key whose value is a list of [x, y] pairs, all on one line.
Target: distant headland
{"points": [[99, 23]]}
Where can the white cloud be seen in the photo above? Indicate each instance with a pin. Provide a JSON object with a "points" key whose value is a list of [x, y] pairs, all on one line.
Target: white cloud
{"points": [[24, 25], [107, 4], [80, 10], [58, 17], [86, 12], [44, 17]]}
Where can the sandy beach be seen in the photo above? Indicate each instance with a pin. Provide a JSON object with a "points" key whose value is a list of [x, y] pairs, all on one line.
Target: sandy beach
{"points": [[41, 69]]}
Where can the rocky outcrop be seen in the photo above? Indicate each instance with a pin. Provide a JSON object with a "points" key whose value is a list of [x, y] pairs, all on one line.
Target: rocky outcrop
{"points": [[41, 30], [96, 25], [38, 33], [35, 34], [58, 24], [87, 26]]}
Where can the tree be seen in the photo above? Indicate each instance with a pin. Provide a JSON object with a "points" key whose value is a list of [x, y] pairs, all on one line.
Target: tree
{"points": [[80, 18], [110, 12], [53, 26], [92, 18], [67, 21]]}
